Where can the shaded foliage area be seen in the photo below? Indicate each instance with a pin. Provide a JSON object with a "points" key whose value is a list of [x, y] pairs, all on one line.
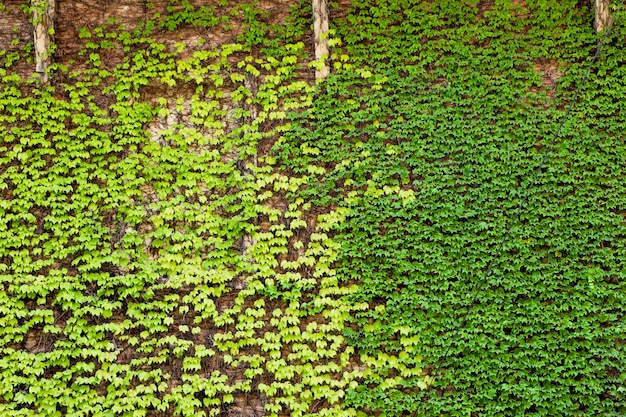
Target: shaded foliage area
{"points": [[430, 140]]}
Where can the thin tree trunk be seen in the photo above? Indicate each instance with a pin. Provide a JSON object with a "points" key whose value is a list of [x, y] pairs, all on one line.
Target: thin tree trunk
{"points": [[44, 14], [603, 15], [320, 31]]}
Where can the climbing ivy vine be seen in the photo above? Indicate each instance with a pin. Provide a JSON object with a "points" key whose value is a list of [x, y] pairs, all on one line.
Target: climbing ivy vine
{"points": [[152, 263], [428, 142], [156, 258]]}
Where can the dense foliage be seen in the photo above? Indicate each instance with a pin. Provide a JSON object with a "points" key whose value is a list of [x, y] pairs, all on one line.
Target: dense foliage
{"points": [[157, 259], [148, 265], [431, 145]]}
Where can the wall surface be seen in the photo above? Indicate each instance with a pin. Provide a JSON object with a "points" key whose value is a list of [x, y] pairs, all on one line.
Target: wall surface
{"points": [[16, 29]]}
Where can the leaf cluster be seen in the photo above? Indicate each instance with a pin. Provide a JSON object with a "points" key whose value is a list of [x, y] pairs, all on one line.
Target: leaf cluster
{"points": [[429, 142], [144, 265]]}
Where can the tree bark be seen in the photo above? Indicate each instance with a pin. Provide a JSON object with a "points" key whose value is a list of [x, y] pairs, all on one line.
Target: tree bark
{"points": [[44, 14], [320, 31], [603, 15]]}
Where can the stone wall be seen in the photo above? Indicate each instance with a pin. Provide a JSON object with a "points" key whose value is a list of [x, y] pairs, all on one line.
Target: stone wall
{"points": [[16, 29]]}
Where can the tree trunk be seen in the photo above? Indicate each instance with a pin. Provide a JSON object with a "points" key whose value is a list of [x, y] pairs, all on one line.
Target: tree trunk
{"points": [[320, 31], [603, 15], [44, 13]]}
